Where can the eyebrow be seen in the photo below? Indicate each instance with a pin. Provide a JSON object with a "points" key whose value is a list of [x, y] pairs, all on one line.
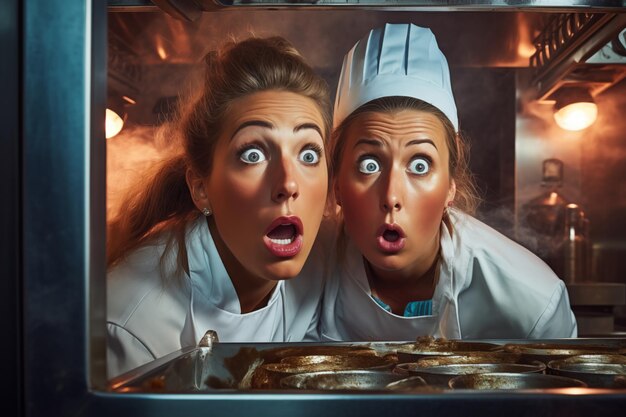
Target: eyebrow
{"points": [[308, 126], [259, 123], [379, 144], [371, 142], [420, 141], [268, 125]]}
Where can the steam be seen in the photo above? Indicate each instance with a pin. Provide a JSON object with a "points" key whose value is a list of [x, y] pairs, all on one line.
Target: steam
{"points": [[129, 155], [503, 219], [605, 132]]}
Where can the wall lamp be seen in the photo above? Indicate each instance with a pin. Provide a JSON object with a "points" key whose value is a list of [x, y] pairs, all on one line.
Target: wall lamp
{"points": [[574, 108], [116, 114]]}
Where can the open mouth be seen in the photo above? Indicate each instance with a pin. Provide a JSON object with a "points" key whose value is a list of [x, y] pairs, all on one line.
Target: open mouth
{"points": [[391, 238], [284, 236], [391, 235]]}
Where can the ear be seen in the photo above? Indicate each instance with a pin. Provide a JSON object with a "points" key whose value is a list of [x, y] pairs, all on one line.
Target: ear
{"points": [[451, 193], [197, 189]]}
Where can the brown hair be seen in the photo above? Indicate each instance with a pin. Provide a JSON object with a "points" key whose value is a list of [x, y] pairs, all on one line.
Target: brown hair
{"points": [[466, 197], [163, 201]]}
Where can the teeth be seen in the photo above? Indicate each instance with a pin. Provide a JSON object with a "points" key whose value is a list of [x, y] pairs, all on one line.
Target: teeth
{"points": [[282, 241]]}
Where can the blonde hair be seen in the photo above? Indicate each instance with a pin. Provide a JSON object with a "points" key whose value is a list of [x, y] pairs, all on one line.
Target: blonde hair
{"points": [[163, 203]]}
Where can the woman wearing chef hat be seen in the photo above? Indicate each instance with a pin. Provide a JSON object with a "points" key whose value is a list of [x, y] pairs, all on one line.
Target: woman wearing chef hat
{"points": [[212, 240], [412, 260]]}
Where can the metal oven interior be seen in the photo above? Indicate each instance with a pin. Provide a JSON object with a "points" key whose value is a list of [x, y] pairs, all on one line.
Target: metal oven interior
{"points": [[54, 177]]}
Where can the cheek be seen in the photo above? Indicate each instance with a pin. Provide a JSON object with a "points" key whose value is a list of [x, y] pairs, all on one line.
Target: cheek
{"points": [[229, 185], [426, 201], [314, 183], [236, 203], [232, 189]]}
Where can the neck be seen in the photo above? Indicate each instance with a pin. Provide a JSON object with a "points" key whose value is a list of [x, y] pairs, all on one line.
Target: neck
{"points": [[399, 287], [252, 291]]}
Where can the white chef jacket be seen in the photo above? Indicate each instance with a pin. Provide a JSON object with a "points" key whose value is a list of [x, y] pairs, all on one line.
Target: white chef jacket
{"points": [[150, 315], [488, 287]]}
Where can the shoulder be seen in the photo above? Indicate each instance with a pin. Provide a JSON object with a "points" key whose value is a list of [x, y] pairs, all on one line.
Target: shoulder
{"points": [[475, 234], [496, 265], [506, 289], [137, 281], [482, 245], [140, 269]]}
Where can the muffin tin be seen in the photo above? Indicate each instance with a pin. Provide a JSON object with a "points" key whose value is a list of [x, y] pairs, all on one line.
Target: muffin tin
{"points": [[597, 371], [425, 366], [361, 380]]}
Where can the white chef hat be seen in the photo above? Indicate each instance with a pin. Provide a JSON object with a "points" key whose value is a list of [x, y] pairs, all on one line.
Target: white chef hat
{"points": [[397, 60]]}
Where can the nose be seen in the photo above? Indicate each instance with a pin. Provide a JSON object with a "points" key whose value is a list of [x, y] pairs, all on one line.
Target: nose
{"points": [[285, 184], [391, 195]]}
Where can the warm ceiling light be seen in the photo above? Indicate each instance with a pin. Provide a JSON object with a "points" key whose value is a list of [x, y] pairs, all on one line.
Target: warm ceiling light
{"points": [[576, 116], [113, 124], [117, 113], [574, 109]]}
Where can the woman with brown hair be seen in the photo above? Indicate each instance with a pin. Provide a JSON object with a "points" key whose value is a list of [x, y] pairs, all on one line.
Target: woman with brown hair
{"points": [[415, 262], [213, 239]]}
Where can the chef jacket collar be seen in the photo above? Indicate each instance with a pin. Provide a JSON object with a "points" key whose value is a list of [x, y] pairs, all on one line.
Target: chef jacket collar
{"points": [[208, 273]]}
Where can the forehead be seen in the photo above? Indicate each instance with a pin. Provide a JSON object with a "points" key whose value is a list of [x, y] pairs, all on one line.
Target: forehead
{"points": [[275, 107], [398, 126]]}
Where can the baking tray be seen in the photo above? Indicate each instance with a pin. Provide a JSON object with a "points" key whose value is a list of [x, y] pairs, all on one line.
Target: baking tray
{"points": [[229, 367]]}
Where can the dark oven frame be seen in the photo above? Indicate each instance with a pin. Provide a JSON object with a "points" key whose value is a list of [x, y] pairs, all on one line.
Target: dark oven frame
{"points": [[53, 83]]}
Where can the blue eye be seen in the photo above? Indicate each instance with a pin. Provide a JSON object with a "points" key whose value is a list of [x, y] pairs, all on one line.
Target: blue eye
{"points": [[252, 156], [369, 166], [309, 156], [419, 166]]}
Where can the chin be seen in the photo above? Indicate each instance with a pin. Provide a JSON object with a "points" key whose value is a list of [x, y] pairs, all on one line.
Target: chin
{"points": [[387, 262], [284, 270]]}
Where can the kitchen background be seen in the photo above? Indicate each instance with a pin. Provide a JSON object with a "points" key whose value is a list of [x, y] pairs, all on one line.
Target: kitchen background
{"points": [[53, 77], [508, 68]]}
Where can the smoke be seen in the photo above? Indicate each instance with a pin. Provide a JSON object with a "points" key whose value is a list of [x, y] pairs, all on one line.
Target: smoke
{"points": [[604, 167], [520, 229], [606, 135], [130, 155]]}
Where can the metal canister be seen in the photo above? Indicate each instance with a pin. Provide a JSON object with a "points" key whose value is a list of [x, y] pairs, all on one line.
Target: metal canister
{"points": [[575, 245]]}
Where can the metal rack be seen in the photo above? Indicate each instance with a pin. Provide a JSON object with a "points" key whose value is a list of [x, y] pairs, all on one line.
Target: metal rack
{"points": [[564, 47]]}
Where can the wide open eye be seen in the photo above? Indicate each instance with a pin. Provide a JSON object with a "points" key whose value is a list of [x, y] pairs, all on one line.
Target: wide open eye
{"points": [[369, 166], [419, 166], [309, 156], [252, 155]]}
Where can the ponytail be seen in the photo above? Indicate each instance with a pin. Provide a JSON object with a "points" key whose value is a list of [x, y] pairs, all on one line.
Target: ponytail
{"points": [[160, 203]]}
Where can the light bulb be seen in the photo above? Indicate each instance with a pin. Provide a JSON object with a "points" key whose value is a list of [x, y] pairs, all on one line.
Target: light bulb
{"points": [[113, 124], [576, 116]]}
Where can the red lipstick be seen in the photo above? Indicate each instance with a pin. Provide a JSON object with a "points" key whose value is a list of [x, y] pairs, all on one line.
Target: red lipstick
{"points": [[390, 238], [283, 237]]}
